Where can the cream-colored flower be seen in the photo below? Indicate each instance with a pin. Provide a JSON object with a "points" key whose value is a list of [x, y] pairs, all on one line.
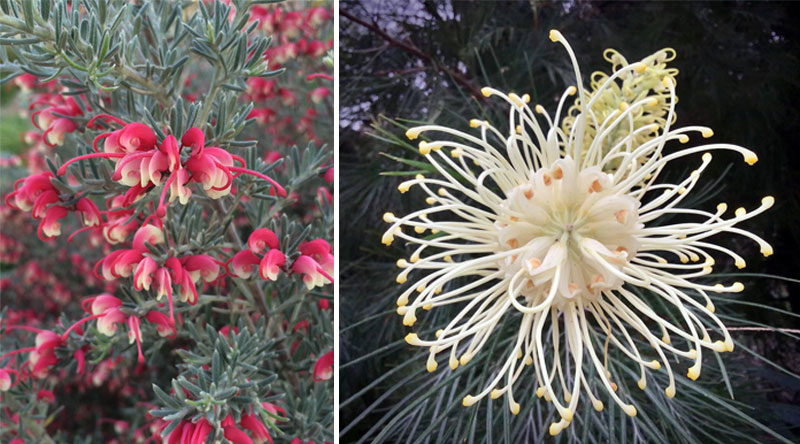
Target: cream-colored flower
{"points": [[563, 223]]}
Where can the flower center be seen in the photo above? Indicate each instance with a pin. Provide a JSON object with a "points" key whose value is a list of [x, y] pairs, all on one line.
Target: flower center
{"points": [[567, 234]]}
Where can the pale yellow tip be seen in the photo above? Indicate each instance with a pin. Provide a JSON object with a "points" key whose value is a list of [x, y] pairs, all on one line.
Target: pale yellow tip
{"points": [[540, 392], [750, 158], [486, 91], [526, 98], [469, 400], [464, 359], [401, 279], [424, 148], [539, 109], [413, 339], [623, 106], [768, 201], [670, 392], [728, 345], [403, 187], [427, 307], [514, 407], [710, 307], [387, 238], [667, 82], [453, 363], [722, 207], [740, 212], [629, 409], [496, 394], [389, 217], [567, 414], [740, 263], [556, 427], [683, 138], [639, 67], [432, 366], [474, 123], [655, 365], [409, 318], [693, 373], [719, 346], [707, 132], [737, 287], [707, 157], [598, 405], [555, 35], [766, 250], [642, 384], [572, 90], [412, 133], [402, 301]]}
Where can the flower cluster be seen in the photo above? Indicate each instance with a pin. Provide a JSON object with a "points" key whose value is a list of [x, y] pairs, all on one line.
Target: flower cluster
{"points": [[56, 119], [560, 229], [315, 261], [142, 164], [36, 193], [301, 37]]}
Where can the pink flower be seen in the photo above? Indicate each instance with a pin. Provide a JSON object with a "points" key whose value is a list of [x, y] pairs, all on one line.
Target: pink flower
{"points": [[313, 276], [243, 263], [319, 94], [55, 127], [135, 334], [323, 368], [89, 212], [201, 266], [256, 428], [316, 49], [147, 234], [143, 276], [107, 323], [50, 226], [287, 97], [329, 175], [45, 395], [163, 325], [5, 380], [262, 238], [270, 265], [318, 16], [24, 197], [233, 433]]}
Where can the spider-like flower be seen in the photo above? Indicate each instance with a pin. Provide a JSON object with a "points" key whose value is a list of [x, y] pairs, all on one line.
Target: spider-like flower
{"points": [[565, 224]]}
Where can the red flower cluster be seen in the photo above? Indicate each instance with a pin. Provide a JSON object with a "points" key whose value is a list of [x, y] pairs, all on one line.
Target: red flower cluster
{"points": [[142, 163], [185, 272], [188, 432], [268, 266], [315, 261], [36, 193], [55, 119]]}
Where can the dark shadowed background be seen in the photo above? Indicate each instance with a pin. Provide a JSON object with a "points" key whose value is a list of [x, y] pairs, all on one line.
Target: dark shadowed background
{"points": [[426, 61]]}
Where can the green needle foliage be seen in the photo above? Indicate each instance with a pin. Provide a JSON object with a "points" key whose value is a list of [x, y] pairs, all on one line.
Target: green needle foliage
{"points": [[424, 61]]}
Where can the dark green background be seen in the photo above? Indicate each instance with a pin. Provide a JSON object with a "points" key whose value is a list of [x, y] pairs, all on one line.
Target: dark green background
{"points": [[739, 71]]}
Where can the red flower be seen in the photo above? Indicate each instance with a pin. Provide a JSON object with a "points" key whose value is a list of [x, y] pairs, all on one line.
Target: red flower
{"points": [[323, 368]]}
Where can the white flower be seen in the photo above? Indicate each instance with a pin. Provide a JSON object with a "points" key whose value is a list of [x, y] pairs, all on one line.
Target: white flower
{"points": [[559, 223]]}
